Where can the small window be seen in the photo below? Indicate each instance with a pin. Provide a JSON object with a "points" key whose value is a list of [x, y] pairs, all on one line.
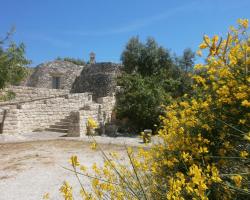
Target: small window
{"points": [[55, 82]]}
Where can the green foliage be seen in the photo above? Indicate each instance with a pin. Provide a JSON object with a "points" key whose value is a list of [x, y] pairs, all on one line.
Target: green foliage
{"points": [[151, 77], [75, 61], [8, 96], [146, 59], [186, 62], [140, 99], [12, 62]]}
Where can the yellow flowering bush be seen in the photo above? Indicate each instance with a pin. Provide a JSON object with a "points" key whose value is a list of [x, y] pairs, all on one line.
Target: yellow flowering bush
{"points": [[91, 123], [91, 126], [203, 147]]}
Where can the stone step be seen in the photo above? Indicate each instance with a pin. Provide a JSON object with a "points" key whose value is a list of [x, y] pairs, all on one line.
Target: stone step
{"points": [[62, 123], [60, 126], [65, 121], [57, 130]]}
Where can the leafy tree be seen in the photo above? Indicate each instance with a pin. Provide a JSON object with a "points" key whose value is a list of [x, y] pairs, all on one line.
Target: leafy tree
{"points": [[140, 100], [146, 59], [151, 78], [186, 62], [12, 61]]}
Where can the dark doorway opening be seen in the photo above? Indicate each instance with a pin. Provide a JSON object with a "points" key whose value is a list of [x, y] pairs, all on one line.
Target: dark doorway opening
{"points": [[55, 82]]}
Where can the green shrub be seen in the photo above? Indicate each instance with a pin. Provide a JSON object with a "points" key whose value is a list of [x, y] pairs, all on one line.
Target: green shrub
{"points": [[12, 62], [151, 78]]}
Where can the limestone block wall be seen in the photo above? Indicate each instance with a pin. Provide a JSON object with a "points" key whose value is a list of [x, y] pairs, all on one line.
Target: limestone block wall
{"points": [[101, 112], [108, 104], [94, 112], [74, 128], [11, 124], [41, 114], [30, 93], [43, 74], [98, 78], [1, 114]]}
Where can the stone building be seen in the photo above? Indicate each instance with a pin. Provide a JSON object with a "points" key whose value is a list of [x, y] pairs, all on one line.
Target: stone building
{"points": [[97, 78], [60, 96], [54, 75]]}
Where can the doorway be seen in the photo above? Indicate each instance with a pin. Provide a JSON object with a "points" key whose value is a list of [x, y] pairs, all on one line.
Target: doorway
{"points": [[56, 82]]}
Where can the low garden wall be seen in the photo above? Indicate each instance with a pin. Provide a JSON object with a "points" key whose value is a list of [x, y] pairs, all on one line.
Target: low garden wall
{"points": [[40, 114], [101, 112], [23, 93]]}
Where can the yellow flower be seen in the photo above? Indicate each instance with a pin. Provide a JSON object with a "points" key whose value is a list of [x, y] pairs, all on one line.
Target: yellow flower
{"points": [[240, 95], [96, 169], [83, 168], [189, 188], [203, 150], [74, 161], [237, 180], [243, 154], [199, 53], [199, 79], [46, 196], [242, 121], [93, 145], [203, 45], [243, 22], [184, 104], [245, 103], [206, 39], [91, 123], [66, 190], [114, 155], [95, 182], [247, 137], [206, 127], [215, 39], [185, 156], [215, 174]]}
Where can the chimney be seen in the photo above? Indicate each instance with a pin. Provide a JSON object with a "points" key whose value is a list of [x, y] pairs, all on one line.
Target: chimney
{"points": [[92, 58]]}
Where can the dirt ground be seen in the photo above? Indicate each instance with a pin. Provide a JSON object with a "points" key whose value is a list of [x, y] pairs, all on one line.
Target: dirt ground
{"points": [[30, 169]]}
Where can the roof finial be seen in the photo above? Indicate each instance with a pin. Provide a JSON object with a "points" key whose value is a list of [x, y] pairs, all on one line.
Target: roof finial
{"points": [[92, 58]]}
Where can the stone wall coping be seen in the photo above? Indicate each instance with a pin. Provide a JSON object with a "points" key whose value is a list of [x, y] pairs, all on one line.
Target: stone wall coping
{"points": [[2, 104], [35, 88]]}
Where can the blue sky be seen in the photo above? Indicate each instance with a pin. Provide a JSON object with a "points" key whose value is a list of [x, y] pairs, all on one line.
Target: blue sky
{"points": [[52, 28]]}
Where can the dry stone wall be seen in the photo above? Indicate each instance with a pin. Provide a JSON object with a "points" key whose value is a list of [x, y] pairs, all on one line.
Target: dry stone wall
{"points": [[38, 107], [98, 78], [101, 112], [23, 93], [41, 114], [43, 74]]}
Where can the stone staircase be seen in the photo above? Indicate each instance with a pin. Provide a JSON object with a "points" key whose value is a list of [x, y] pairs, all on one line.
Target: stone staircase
{"points": [[62, 126], [50, 113], [53, 112]]}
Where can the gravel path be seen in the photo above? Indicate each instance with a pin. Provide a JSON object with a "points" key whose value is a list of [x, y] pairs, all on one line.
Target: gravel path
{"points": [[41, 136], [29, 169]]}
